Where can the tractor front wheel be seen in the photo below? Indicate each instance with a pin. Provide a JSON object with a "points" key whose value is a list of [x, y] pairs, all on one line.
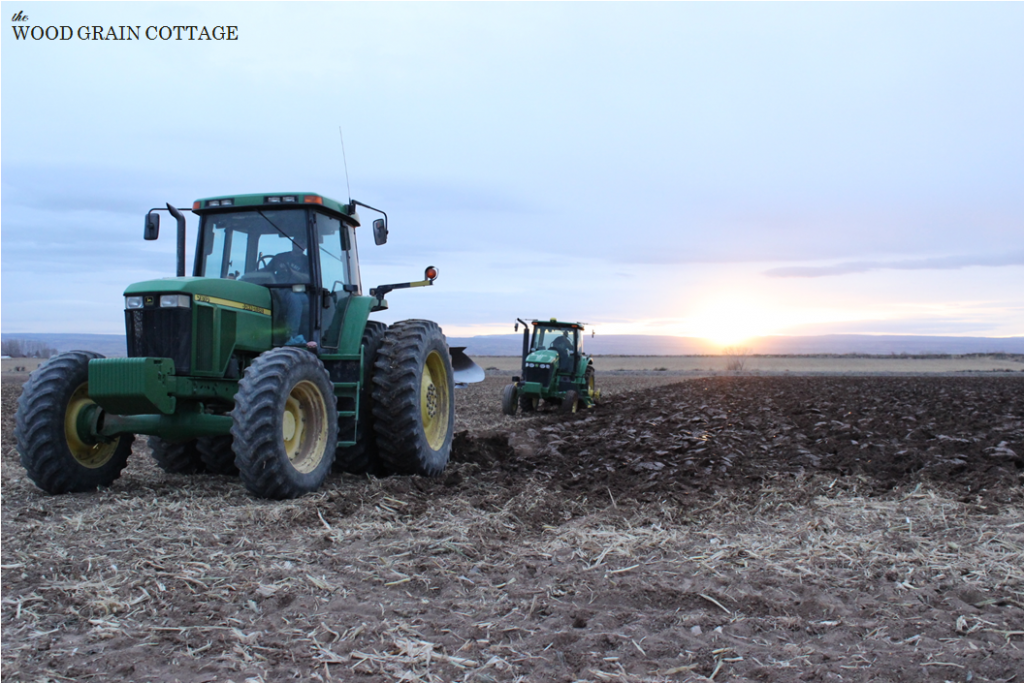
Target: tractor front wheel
{"points": [[285, 424], [528, 403], [509, 399], [55, 454], [413, 403], [571, 402], [176, 457]]}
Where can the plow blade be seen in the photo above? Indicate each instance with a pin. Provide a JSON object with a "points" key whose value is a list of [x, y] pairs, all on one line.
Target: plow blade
{"points": [[463, 367]]}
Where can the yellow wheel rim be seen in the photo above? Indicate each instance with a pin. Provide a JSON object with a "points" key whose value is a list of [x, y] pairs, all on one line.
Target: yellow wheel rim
{"points": [[87, 455], [434, 399], [590, 385], [304, 426]]}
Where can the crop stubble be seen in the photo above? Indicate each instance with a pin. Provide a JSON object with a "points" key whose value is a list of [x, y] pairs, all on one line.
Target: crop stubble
{"points": [[732, 528]]}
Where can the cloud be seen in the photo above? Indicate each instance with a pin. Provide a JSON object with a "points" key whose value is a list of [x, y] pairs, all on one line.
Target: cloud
{"points": [[1012, 258], [434, 196], [67, 187]]}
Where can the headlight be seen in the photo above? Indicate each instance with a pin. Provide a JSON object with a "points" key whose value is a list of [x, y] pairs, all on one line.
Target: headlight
{"points": [[175, 301], [133, 302]]}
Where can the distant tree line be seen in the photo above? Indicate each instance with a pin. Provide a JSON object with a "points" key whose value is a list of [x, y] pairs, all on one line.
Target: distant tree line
{"points": [[26, 348]]}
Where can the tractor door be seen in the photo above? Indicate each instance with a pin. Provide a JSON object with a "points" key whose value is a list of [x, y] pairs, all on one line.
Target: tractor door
{"points": [[266, 248], [339, 275]]}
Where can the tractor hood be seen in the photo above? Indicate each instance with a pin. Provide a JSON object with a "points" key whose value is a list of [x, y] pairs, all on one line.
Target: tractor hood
{"points": [[232, 293], [543, 356]]}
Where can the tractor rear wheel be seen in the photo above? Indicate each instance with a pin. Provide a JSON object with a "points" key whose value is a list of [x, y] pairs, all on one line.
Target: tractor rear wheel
{"points": [[362, 457], [413, 403], [216, 454], [56, 456], [509, 399], [176, 457], [571, 402], [528, 403], [592, 392], [285, 424]]}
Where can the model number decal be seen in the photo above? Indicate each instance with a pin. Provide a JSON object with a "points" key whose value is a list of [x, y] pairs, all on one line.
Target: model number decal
{"points": [[202, 298]]}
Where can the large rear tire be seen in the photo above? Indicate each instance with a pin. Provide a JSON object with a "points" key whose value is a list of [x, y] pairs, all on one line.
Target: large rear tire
{"points": [[414, 406], [510, 399], [363, 457], [217, 455], [592, 391], [55, 455], [285, 424], [176, 457]]}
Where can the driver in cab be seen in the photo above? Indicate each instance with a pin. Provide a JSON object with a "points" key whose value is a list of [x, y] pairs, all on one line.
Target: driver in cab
{"points": [[563, 346], [292, 267]]}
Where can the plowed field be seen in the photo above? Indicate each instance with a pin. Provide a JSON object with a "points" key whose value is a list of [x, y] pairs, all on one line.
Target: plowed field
{"points": [[730, 528]]}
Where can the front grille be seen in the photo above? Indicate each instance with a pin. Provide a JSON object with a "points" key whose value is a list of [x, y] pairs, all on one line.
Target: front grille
{"points": [[542, 375], [161, 333]]}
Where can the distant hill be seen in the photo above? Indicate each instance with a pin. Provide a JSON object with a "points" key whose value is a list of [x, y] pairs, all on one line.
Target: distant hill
{"points": [[652, 345], [106, 344], [647, 345]]}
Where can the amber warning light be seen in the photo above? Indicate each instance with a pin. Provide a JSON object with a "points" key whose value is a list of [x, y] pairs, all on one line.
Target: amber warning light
{"points": [[430, 273]]}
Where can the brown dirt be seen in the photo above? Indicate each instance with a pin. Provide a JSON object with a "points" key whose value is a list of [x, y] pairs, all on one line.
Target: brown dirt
{"points": [[725, 528]]}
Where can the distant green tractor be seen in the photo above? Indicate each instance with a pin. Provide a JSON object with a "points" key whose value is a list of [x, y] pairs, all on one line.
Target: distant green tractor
{"points": [[264, 363], [555, 370]]}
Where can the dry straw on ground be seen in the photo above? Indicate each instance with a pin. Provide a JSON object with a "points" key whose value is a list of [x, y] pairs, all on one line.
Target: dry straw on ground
{"points": [[538, 563]]}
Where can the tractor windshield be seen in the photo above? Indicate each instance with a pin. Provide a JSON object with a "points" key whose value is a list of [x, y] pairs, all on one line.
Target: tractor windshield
{"points": [[545, 337], [563, 340], [265, 247]]}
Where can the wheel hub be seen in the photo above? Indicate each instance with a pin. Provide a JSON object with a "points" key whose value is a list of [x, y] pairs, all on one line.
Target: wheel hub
{"points": [[304, 426], [91, 455], [434, 399], [289, 426]]}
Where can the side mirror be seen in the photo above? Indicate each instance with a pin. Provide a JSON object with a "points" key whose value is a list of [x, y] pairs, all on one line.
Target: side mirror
{"points": [[152, 230], [380, 231]]}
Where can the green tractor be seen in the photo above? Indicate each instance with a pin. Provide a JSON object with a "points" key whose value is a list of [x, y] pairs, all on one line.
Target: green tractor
{"points": [[555, 370], [264, 363]]}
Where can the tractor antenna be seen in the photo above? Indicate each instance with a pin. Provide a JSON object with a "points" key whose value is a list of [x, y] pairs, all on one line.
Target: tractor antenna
{"points": [[345, 161]]}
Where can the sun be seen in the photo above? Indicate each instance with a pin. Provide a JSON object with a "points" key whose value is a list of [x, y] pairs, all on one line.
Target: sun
{"points": [[731, 321], [726, 333]]}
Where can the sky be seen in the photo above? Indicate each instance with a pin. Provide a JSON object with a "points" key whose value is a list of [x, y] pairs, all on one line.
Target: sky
{"points": [[719, 170]]}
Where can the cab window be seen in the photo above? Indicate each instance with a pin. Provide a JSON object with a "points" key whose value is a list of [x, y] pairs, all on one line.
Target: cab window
{"points": [[333, 262], [266, 247]]}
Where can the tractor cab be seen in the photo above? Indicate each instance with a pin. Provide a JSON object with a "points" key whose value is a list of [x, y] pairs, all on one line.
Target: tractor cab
{"points": [[270, 245], [565, 341]]}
